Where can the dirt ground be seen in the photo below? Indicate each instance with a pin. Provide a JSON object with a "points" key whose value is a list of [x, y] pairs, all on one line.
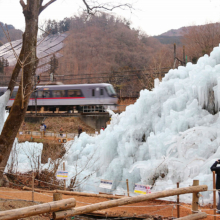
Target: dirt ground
{"points": [[9, 199]]}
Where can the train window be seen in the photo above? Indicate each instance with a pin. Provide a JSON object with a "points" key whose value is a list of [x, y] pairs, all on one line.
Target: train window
{"points": [[40, 94], [58, 93], [43, 93], [93, 92], [101, 92], [110, 90], [74, 93], [46, 93], [33, 94], [1, 93]]}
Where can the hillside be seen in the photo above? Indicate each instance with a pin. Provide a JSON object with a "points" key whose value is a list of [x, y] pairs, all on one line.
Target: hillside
{"points": [[106, 49], [101, 49], [176, 32], [15, 34], [169, 39], [172, 36], [176, 35]]}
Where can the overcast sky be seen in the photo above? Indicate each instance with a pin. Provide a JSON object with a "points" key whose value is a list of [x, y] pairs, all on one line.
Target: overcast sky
{"points": [[152, 16]]}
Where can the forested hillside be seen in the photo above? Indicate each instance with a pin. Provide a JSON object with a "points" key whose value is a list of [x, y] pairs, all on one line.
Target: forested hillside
{"points": [[104, 48]]}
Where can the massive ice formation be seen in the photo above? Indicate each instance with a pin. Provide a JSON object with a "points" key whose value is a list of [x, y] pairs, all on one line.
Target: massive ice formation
{"points": [[170, 135]]}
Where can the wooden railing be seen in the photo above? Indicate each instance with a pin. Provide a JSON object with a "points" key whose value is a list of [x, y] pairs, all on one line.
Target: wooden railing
{"points": [[61, 209], [60, 137]]}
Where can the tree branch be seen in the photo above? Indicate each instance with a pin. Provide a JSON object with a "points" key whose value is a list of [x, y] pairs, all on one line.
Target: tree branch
{"points": [[22, 4], [91, 10], [87, 6], [46, 5]]}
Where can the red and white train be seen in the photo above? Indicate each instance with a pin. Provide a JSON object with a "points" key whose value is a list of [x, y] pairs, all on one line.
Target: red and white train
{"points": [[69, 97]]}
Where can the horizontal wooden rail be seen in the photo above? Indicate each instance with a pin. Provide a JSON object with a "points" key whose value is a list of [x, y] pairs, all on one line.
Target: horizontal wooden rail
{"points": [[38, 209], [89, 194], [194, 216], [128, 200], [39, 190], [75, 193]]}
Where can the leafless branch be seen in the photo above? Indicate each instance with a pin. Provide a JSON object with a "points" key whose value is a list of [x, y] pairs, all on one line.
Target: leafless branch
{"points": [[44, 31], [46, 5], [91, 10], [22, 4]]}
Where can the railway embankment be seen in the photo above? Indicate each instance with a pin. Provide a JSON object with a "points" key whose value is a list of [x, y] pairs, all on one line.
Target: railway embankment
{"points": [[69, 124]]}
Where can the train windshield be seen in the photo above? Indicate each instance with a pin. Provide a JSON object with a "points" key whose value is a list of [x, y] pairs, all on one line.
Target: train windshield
{"points": [[110, 90]]}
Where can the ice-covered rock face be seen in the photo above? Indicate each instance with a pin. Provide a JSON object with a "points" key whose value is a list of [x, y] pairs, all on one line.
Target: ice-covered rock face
{"points": [[170, 135]]}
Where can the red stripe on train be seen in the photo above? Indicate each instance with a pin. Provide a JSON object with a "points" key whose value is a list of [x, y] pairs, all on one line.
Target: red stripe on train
{"points": [[57, 98]]}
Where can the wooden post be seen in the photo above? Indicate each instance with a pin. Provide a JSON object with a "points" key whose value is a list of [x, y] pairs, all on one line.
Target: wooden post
{"points": [[64, 180], [184, 56], [214, 195], [57, 197], [128, 200], [127, 187], [174, 54], [195, 199], [174, 47], [37, 209], [178, 202], [33, 186]]}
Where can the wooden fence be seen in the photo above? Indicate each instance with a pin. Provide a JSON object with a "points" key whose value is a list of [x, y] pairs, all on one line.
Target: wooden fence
{"points": [[60, 138], [64, 211]]}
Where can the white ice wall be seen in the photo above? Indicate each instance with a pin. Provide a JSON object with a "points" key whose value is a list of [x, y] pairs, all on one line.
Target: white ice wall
{"points": [[181, 135]]}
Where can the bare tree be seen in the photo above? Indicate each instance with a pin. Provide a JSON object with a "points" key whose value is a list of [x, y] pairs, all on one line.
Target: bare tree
{"points": [[200, 40], [27, 63]]}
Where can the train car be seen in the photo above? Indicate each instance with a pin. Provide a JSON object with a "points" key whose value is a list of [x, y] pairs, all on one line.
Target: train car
{"points": [[69, 97]]}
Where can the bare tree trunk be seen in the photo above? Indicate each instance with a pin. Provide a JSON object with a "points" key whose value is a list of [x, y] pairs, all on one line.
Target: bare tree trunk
{"points": [[28, 62], [28, 58]]}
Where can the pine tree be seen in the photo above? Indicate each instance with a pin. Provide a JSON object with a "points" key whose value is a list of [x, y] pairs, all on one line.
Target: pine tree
{"points": [[2, 65], [6, 64], [53, 66]]}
